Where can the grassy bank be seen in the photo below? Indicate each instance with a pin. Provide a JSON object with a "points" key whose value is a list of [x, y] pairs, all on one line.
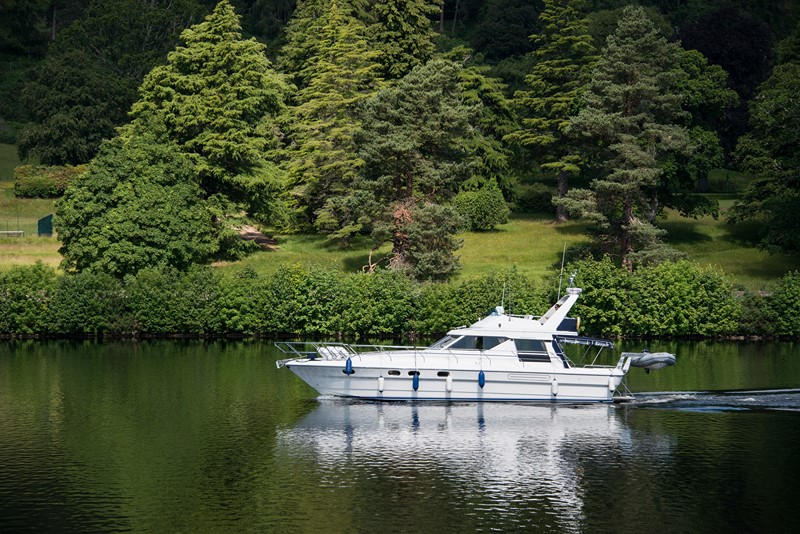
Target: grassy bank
{"points": [[532, 244]]}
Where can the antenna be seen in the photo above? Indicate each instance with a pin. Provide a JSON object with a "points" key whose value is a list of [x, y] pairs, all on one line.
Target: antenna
{"points": [[561, 276], [503, 299]]}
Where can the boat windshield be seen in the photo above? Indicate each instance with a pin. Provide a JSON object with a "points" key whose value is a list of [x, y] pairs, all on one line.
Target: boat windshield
{"points": [[442, 342]]}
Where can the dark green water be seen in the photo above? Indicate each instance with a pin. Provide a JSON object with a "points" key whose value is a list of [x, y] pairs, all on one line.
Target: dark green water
{"points": [[173, 436]]}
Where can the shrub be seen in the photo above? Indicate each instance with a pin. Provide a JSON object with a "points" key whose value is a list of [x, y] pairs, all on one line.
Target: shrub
{"points": [[89, 303], [785, 305], [44, 181], [483, 209], [26, 295]]}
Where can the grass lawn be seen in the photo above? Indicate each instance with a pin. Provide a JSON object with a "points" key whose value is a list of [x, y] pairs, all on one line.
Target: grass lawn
{"points": [[23, 214], [728, 246]]}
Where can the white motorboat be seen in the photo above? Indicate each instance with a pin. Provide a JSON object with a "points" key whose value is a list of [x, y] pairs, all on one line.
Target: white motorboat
{"points": [[501, 357]]}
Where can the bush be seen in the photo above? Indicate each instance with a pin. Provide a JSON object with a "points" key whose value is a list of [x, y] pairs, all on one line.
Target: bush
{"points": [[535, 198], [669, 299], [26, 294], [785, 305], [44, 181], [89, 303], [483, 209]]}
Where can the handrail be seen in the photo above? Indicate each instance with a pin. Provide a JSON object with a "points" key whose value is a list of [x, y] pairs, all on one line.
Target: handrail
{"points": [[298, 348]]}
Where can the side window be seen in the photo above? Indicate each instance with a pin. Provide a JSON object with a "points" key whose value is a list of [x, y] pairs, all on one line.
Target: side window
{"points": [[477, 342], [531, 350]]}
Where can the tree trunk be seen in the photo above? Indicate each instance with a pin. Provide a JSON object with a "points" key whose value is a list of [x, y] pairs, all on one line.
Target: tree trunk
{"points": [[563, 186], [53, 24], [401, 217], [455, 15], [441, 17], [653, 207], [625, 241]]}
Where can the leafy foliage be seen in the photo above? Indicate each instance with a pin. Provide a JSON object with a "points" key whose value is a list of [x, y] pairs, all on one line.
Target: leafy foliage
{"points": [[43, 181], [88, 80], [785, 305], [322, 156], [403, 34], [26, 295], [218, 97], [564, 56], [137, 206], [769, 151], [483, 209], [413, 144]]}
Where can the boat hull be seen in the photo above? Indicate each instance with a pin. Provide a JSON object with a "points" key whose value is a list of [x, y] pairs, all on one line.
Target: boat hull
{"points": [[575, 385]]}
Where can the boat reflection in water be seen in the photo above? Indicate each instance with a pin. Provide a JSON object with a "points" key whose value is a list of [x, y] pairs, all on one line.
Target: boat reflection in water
{"points": [[512, 455]]}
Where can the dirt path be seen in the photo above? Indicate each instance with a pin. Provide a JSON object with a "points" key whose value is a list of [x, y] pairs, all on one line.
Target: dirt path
{"points": [[251, 233]]}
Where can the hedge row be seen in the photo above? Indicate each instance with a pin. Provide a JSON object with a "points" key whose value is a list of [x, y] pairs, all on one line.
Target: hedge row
{"points": [[44, 181], [672, 299], [202, 301]]}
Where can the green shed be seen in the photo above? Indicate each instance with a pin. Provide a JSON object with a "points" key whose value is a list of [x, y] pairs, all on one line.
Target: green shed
{"points": [[46, 226]]}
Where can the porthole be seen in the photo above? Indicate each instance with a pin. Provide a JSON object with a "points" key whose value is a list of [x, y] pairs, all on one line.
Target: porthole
{"points": [[394, 372], [412, 373], [443, 373]]}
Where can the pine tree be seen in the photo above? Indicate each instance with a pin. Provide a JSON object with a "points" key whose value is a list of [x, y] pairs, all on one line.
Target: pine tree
{"points": [[322, 155], [413, 140], [218, 97], [632, 114], [564, 56], [404, 34]]}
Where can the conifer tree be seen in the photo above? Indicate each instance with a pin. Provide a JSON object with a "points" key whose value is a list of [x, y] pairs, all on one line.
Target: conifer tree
{"points": [[564, 56], [413, 140], [218, 97], [632, 114], [403, 33], [322, 156]]}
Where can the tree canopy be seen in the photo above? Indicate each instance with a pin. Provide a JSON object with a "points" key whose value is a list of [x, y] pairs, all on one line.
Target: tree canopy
{"points": [[632, 114], [769, 151]]}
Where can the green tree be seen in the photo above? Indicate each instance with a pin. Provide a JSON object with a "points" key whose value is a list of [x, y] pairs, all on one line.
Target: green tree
{"points": [[632, 114], [75, 103], [87, 82], [483, 209], [706, 98], [495, 120], [413, 141], [769, 152], [564, 56], [218, 97], [137, 206], [432, 242], [322, 156], [403, 33]]}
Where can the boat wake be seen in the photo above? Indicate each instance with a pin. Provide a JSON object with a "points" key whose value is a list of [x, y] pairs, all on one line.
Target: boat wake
{"points": [[715, 401]]}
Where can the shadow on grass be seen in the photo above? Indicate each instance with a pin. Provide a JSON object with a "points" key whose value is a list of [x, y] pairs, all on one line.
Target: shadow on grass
{"points": [[746, 234], [571, 228], [684, 233]]}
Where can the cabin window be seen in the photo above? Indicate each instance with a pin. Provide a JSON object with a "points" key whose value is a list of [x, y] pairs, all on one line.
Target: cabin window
{"points": [[531, 350], [394, 372], [412, 373], [442, 342], [443, 374], [477, 342]]}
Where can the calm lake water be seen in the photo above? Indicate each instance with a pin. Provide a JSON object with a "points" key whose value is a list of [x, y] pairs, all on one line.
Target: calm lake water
{"points": [[199, 436]]}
